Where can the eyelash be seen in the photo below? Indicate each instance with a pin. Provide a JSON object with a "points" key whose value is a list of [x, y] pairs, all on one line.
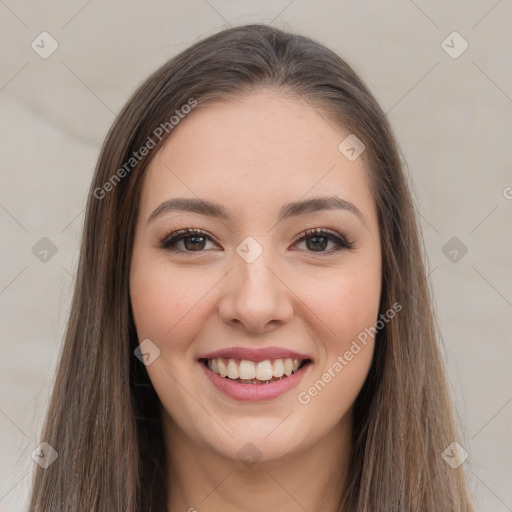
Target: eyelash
{"points": [[168, 241]]}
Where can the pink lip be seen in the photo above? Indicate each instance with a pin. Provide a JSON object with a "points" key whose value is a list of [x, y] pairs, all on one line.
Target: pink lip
{"points": [[254, 392], [255, 355]]}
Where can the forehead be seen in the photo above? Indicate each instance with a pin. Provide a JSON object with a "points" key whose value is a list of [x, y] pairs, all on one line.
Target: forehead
{"points": [[255, 150]]}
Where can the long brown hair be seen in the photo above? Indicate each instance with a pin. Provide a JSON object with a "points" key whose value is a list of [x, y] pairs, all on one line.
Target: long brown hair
{"points": [[103, 418]]}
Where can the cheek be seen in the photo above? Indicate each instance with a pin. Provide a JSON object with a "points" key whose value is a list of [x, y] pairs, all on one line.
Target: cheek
{"points": [[167, 303], [348, 307], [345, 302]]}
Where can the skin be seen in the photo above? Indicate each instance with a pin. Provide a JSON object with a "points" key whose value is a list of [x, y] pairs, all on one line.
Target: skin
{"points": [[253, 155]]}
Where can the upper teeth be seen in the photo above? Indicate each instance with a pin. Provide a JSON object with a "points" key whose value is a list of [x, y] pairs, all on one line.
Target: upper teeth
{"points": [[261, 370]]}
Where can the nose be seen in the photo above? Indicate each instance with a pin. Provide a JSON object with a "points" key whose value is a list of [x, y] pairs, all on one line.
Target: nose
{"points": [[255, 297]]}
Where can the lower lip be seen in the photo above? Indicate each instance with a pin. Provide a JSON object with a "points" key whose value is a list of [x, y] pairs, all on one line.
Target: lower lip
{"points": [[254, 392]]}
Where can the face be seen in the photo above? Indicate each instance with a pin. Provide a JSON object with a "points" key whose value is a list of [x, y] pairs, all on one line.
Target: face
{"points": [[257, 282]]}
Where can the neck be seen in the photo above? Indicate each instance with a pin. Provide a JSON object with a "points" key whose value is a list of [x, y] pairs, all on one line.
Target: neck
{"points": [[311, 479]]}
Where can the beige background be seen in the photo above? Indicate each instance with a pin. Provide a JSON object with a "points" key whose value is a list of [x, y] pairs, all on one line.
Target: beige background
{"points": [[451, 116]]}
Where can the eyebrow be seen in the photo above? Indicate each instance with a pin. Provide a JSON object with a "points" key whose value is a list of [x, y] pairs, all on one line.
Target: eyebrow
{"points": [[211, 209]]}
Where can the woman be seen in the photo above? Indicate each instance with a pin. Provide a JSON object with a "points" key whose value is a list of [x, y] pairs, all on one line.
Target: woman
{"points": [[251, 327]]}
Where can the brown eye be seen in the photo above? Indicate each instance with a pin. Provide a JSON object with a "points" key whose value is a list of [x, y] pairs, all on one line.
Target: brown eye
{"points": [[193, 241], [317, 240]]}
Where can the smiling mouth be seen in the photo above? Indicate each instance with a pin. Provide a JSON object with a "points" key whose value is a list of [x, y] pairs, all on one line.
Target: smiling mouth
{"points": [[250, 372]]}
